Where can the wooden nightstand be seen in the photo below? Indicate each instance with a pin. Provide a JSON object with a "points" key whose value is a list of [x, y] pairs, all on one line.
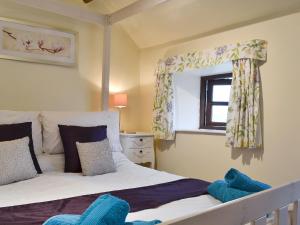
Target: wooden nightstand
{"points": [[138, 147]]}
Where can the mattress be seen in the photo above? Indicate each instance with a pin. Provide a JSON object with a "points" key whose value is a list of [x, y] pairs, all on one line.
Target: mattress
{"points": [[58, 185]]}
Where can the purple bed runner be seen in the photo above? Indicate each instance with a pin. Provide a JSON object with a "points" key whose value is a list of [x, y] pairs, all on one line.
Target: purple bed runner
{"points": [[138, 198]]}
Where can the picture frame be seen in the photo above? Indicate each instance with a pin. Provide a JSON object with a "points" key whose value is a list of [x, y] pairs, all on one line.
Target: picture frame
{"points": [[35, 43]]}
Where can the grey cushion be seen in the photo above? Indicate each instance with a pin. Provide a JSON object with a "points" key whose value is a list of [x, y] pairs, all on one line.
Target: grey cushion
{"points": [[15, 161], [96, 158]]}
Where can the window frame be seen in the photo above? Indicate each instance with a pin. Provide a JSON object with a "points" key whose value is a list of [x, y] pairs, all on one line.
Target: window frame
{"points": [[206, 101]]}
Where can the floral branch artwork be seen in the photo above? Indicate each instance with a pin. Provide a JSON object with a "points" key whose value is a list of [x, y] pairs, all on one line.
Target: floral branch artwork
{"points": [[53, 50], [40, 43], [9, 34], [34, 43]]}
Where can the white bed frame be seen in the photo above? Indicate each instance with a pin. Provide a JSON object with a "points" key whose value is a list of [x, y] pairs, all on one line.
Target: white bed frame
{"points": [[253, 209]]}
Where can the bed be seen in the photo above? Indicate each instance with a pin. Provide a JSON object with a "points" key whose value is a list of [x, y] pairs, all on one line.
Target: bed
{"points": [[54, 185], [267, 207], [57, 185]]}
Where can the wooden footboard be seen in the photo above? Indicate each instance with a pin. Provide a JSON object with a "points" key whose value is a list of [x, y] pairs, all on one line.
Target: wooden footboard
{"points": [[252, 209]]}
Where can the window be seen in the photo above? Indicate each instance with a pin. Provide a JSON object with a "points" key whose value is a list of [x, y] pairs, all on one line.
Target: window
{"points": [[214, 98], [187, 88]]}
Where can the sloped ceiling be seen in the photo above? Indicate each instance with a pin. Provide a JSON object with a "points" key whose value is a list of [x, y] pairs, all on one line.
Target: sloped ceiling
{"points": [[103, 6], [181, 19]]}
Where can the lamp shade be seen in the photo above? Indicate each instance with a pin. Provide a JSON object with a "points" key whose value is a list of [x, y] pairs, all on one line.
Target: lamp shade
{"points": [[119, 100]]}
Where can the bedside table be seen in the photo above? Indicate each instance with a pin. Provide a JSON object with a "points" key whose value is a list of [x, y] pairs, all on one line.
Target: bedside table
{"points": [[138, 147]]}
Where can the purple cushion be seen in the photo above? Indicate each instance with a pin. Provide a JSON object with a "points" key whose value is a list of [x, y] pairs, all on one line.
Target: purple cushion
{"points": [[9, 132], [72, 134]]}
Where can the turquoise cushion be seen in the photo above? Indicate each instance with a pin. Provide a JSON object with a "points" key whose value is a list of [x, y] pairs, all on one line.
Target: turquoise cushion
{"points": [[221, 191], [106, 210], [236, 179], [138, 222], [63, 220]]}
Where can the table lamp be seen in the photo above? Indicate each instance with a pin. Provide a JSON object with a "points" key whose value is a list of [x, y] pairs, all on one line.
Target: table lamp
{"points": [[119, 101]]}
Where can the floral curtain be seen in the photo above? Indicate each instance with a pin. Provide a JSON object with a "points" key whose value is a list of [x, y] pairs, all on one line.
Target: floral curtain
{"points": [[243, 120], [163, 111], [163, 106]]}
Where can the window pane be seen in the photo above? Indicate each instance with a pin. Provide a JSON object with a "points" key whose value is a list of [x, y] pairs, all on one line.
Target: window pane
{"points": [[221, 93], [219, 113]]}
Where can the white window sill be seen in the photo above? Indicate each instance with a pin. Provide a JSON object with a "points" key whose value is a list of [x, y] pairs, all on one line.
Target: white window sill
{"points": [[202, 131]]}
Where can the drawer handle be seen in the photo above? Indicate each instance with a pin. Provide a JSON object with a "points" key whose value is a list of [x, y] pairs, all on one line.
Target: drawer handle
{"points": [[141, 139], [141, 151]]}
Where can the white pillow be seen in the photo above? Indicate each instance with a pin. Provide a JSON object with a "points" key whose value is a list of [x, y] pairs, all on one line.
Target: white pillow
{"points": [[11, 117], [16, 162], [52, 143], [50, 163]]}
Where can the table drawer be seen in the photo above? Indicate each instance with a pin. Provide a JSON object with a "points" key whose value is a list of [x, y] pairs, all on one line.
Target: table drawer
{"points": [[140, 155], [137, 142]]}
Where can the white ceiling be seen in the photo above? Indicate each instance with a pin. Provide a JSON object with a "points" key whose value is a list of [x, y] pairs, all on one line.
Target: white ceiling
{"points": [[103, 6], [181, 19]]}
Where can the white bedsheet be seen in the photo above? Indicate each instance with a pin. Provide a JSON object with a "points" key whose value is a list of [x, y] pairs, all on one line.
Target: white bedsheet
{"points": [[58, 185]]}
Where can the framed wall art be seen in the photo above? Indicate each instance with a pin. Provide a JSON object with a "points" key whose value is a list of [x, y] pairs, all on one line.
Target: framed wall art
{"points": [[34, 43]]}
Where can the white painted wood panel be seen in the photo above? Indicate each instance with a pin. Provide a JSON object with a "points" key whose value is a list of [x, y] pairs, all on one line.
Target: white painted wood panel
{"points": [[133, 9], [260, 221], [282, 216], [296, 213], [106, 67], [60, 8], [244, 210]]}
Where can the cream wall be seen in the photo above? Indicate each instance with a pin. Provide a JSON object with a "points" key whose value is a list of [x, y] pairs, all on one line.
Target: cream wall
{"points": [[204, 156], [31, 86], [28, 86], [125, 77]]}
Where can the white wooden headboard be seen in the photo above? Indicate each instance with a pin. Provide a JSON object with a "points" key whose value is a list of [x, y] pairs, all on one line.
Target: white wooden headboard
{"points": [[253, 209]]}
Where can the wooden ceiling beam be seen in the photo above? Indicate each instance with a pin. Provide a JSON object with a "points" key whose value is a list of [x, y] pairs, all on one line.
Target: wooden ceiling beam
{"points": [[64, 9], [134, 8]]}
